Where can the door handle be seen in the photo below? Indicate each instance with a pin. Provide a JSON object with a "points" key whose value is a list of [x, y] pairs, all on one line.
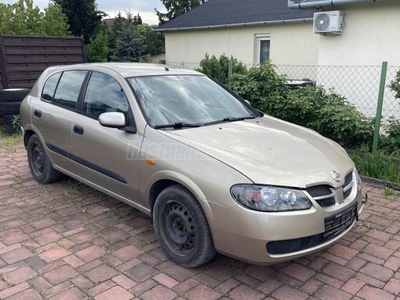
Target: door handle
{"points": [[78, 130], [37, 113]]}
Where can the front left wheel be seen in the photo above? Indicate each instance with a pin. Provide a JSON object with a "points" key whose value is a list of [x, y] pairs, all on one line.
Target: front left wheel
{"points": [[39, 162], [182, 228]]}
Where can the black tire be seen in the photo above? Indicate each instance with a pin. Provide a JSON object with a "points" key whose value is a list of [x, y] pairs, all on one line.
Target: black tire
{"points": [[13, 95], [8, 119], [182, 228], [10, 130], [9, 108], [39, 162]]}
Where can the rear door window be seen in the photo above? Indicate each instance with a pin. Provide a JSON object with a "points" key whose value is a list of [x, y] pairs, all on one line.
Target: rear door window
{"points": [[68, 88]]}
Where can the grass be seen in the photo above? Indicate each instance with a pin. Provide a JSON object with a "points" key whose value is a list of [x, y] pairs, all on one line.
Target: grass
{"points": [[387, 192], [8, 141], [377, 165]]}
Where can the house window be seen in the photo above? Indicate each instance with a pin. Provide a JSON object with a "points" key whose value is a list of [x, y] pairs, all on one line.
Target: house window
{"points": [[263, 48]]}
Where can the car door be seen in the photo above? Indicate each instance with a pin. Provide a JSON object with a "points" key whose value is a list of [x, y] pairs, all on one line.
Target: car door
{"points": [[106, 156], [53, 114]]}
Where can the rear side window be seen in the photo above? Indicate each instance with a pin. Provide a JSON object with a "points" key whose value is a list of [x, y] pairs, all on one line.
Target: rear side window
{"points": [[50, 87], [68, 89]]}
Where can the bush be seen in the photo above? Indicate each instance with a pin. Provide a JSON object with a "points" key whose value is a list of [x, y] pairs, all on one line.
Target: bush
{"points": [[219, 68], [325, 112], [389, 142], [395, 85], [339, 120], [263, 87]]}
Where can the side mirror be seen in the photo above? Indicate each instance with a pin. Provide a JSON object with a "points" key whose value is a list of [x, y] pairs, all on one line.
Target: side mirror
{"points": [[112, 119]]}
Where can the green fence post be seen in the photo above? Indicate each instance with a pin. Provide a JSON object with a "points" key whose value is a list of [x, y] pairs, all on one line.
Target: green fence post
{"points": [[230, 70], [380, 105]]}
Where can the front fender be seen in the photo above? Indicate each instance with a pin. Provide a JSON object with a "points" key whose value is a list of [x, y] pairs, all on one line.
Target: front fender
{"points": [[177, 177]]}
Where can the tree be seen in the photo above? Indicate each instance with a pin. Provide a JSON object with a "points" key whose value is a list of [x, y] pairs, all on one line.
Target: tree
{"points": [[97, 50], [153, 40], [118, 24], [137, 20], [25, 19], [55, 23], [116, 28], [129, 45], [176, 8], [83, 17]]}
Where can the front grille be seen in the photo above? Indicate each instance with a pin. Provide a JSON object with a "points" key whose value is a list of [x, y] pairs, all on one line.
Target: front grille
{"points": [[334, 226], [346, 194], [324, 195], [319, 190], [348, 185], [348, 179]]}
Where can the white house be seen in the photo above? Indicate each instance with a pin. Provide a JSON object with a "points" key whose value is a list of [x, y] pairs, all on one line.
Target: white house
{"points": [[254, 31]]}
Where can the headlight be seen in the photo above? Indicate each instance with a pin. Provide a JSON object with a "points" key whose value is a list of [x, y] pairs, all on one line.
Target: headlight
{"points": [[269, 198], [358, 178]]}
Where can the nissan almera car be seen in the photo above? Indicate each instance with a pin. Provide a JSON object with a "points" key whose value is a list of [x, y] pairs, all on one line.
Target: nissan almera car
{"points": [[213, 173]]}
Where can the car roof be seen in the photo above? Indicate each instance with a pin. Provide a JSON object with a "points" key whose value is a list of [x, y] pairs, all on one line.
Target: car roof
{"points": [[130, 69]]}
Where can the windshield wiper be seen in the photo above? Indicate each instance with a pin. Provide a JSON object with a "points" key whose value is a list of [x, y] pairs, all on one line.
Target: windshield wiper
{"points": [[230, 119], [177, 125]]}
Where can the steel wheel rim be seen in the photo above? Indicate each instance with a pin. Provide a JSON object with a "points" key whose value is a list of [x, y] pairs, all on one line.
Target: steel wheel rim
{"points": [[38, 160], [178, 228]]}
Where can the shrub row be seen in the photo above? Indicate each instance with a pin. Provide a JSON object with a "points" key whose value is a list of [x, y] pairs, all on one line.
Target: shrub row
{"points": [[323, 111]]}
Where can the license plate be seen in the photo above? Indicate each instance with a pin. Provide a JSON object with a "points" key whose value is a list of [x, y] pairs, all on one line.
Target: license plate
{"points": [[340, 222]]}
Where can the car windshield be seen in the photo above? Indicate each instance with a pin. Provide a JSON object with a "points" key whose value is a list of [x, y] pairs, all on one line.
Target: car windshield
{"points": [[187, 100]]}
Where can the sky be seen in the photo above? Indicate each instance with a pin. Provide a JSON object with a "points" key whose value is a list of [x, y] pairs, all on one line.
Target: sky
{"points": [[144, 7]]}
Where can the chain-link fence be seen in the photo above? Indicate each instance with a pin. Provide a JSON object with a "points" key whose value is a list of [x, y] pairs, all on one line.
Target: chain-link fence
{"points": [[358, 84]]}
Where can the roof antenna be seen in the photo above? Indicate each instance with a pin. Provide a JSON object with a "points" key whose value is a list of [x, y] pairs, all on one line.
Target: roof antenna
{"points": [[166, 69]]}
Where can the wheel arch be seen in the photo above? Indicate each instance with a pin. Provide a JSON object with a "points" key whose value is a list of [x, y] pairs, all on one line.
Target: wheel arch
{"points": [[27, 135], [178, 179], [161, 180]]}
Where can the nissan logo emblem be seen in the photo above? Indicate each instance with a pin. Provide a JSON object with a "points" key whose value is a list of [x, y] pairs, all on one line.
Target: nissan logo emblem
{"points": [[336, 176]]}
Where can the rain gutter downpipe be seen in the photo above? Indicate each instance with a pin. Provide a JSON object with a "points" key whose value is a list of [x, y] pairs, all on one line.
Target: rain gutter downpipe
{"points": [[321, 3]]}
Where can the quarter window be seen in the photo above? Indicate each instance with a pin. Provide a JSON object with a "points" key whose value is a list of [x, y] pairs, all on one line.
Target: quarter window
{"points": [[104, 94], [50, 87], [69, 87], [263, 48]]}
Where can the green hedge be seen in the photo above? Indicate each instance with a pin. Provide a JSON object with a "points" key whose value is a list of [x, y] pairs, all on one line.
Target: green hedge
{"points": [[323, 111]]}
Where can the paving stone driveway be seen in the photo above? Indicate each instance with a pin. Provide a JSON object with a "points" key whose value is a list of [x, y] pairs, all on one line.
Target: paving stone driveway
{"points": [[67, 241]]}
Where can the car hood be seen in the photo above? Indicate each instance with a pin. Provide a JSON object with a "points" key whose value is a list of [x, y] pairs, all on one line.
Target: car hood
{"points": [[270, 151]]}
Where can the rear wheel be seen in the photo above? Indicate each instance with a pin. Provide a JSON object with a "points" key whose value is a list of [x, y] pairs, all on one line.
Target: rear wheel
{"points": [[39, 162], [182, 228]]}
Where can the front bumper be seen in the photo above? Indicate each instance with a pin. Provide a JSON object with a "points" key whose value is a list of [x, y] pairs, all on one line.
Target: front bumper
{"points": [[268, 238]]}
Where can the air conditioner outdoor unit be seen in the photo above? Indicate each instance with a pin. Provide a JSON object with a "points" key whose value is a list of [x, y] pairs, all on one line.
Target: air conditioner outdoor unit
{"points": [[328, 22]]}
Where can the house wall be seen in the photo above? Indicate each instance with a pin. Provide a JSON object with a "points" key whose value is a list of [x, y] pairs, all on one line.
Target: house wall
{"points": [[349, 63], [158, 57], [371, 35], [290, 44]]}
